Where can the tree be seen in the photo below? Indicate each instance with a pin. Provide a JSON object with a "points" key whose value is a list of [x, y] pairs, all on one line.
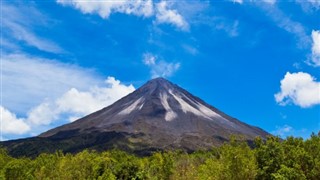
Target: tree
{"points": [[18, 169], [312, 147], [160, 165], [4, 160], [269, 156], [238, 161]]}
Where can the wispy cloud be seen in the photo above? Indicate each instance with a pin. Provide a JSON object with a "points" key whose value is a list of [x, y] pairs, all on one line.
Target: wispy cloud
{"points": [[287, 130], [231, 28], [315, 3], [250, 1], [283, 131], [237, 1], [315, 56], [219, 23], [309, 5], [18, 26], [286, 23], [159, 68], [190, 49], [300, 89]]}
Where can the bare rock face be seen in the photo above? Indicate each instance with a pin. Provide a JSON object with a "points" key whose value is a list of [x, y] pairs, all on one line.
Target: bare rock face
{"points": [[157, 116]]}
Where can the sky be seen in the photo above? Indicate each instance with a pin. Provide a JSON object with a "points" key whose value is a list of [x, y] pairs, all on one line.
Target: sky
{"points": [[257, 61]]}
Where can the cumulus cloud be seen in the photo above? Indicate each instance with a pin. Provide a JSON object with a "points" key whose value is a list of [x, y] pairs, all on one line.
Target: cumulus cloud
{"points": [[146, 8], [70, 106], [105, 8], [171, 16], [28, 80], [80, 103], [316, 48], [75, 103], [300, 89], [44, 92], [42, 114], [10, 124], [159, 68]]}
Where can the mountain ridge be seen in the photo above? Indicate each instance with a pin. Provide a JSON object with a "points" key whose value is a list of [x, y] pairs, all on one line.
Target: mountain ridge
{"points": [[159, 115]]}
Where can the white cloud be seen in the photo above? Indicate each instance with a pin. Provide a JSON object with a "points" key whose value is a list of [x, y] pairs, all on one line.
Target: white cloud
{"points": [[171, 16], [309, 5], [27, 80], [159, 68], [145, 8], [315, 3], [70, 106], [80, 103], [75, 103], [149, 59], [42, 114], [300, 89], [283, 131], [11, 124], [270, 1], [105, 8], [316, 48], [190, 49], [230, 28], [287, 130], [19, 27], [72, 101], [265, 1], [238, 1]]}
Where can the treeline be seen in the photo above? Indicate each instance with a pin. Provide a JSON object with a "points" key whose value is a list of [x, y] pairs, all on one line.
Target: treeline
{"points": [[292, 158]]}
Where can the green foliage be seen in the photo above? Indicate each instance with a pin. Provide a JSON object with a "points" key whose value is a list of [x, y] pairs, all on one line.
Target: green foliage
{"points": [[4, 160], [269, 156], [238, 161], [18, 169], [274, 158]]}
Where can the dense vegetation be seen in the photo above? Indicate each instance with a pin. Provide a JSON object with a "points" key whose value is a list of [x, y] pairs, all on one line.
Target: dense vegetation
{"points": [[292, 158]]}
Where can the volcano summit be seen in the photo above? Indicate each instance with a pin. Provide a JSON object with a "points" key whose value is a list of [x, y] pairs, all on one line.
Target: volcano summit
{"points": [[158, 116]]}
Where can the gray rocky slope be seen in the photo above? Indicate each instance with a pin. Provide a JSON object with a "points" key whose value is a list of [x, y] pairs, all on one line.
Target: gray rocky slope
{"points": [[160, 114]]}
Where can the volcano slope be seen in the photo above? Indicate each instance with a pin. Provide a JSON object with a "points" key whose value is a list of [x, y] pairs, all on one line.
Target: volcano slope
{"points": [[158, 116]]}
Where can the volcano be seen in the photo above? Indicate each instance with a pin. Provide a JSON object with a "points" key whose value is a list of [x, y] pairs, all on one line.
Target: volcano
{"points": [[159, 115]]}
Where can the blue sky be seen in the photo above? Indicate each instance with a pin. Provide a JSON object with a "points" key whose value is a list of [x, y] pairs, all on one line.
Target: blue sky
{"points": [[257, 61]]}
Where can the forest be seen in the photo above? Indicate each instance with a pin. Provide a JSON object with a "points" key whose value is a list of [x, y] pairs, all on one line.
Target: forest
{"points": [[274, 158]]}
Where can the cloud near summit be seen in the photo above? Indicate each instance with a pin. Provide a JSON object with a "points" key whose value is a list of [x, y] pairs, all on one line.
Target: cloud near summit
{"points": [[159, 68]]}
